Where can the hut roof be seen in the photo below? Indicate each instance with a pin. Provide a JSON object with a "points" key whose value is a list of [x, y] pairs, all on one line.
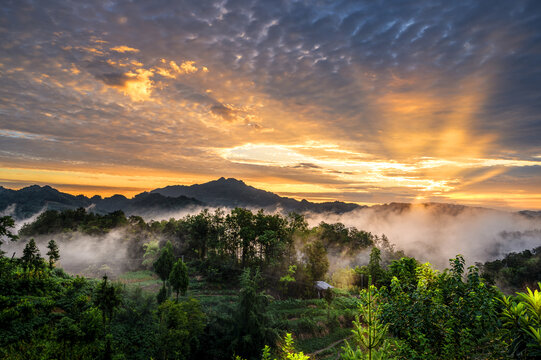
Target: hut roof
{"points": [[322, 285]]}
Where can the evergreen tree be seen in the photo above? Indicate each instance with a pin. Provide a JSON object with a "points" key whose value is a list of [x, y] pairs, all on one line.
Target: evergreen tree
{"points": [[6, 222], [369, 331], [164, 264], [252, 330], [317, 262], [162, 295], [53, 253], [107, 299], [178, 278], [31, 257], [375, 271]]}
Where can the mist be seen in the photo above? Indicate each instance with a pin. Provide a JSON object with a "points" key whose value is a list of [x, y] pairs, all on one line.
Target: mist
{"points": [[430, 235], [426, 233]]}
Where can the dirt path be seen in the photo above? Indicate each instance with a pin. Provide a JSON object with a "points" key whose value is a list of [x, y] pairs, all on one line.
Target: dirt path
{"points": [[328, 347]]}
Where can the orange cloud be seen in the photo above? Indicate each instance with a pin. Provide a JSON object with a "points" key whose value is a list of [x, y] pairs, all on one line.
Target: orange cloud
{"points": [[124, 49]]}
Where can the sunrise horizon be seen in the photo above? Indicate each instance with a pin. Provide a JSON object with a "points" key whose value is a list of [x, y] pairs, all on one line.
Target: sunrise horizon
{"points": [[348, 101]]}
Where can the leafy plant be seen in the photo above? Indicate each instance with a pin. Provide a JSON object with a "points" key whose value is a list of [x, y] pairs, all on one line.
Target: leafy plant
{"points": [[521, 318], [369, 331]]}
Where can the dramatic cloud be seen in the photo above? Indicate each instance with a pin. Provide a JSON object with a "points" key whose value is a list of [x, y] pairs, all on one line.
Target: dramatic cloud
{"points": [[354, 100]]}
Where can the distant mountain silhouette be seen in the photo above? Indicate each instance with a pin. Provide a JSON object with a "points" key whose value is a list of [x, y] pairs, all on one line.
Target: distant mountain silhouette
{"points": [[223, 192], [28, 201], [235, 193]]}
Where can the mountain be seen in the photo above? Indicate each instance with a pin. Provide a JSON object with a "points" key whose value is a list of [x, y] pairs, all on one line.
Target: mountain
{"points": [[235, 193], [223, 192], [25, 202], [30, 200]]}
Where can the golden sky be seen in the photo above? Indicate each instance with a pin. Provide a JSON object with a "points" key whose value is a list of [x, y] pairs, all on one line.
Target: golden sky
{"points": [[356, 102]]}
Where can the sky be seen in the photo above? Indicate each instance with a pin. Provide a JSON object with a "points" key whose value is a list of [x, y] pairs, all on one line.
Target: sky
{"points": [[359, 101]]}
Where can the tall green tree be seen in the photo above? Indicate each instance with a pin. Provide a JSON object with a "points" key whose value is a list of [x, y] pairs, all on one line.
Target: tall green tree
{"points": [[31, 258], [6, 223], [375, 271], [178, 278], [164, 264], [317, 263], [181, 325], [369, 331], [107, 299], [53, 253], [252, 322]]}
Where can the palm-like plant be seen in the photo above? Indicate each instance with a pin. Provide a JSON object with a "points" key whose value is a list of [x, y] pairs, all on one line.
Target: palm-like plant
{"points": [[521, 316]]}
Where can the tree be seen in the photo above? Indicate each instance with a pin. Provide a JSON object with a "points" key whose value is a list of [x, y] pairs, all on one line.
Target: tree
{"points": [[178, 278], [53, 253], [252, 330], [6, 223], [440, 315], [152, 250], [164, 264], [375, 271], [31, 257], [317, 263], [287, 279], [241, 223], [370, 336], [181, 324], [107, 299]]}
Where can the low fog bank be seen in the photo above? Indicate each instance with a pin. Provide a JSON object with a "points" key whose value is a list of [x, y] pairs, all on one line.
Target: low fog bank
{"points": [[435, 236], [424, 232], [87, 255]]}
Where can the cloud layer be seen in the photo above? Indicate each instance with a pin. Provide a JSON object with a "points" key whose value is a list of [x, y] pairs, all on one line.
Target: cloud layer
{"points": [[366, 101]]}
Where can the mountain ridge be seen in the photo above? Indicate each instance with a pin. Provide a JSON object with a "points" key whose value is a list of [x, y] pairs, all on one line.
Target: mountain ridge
{"points": [[231, 192], [222, 192]]}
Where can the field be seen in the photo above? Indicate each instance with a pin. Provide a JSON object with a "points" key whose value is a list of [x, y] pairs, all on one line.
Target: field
{"points": [[317, 330]]}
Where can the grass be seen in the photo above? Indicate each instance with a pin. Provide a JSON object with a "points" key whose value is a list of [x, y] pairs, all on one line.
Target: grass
{"points": [[146, 279], [305, 318], [310, 345]]}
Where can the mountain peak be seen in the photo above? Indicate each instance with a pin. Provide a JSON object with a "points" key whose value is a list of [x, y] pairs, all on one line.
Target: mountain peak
{"points": [[231, 192], [223, 180]]}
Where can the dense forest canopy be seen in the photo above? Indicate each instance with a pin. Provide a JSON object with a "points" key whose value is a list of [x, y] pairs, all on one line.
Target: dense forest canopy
{"points": [[215, 285]]}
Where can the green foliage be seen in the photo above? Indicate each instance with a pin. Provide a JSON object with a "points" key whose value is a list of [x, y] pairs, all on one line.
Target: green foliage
{"points": [[6, 224], [441, 316], [135, 325], [54, 222], [515, 271], [31, 258], [287, 279], [338, 235], [181, 324], [152, 251], [287, 351], [53, 253], [107, 298], [178, 278], [369, 331], [251, 321], [162, 294], [521, 317], [317, 263], [164, 264]]}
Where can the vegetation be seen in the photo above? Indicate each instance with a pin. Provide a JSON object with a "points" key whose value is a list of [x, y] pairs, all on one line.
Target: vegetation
{"points": [[515, 271], [250, 279]]}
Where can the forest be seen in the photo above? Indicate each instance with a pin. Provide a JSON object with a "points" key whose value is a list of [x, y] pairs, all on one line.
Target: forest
{"points": [[241, 285]]}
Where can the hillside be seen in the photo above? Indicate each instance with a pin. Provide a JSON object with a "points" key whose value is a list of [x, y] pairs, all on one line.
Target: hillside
{"points": [[235, 193], [28, 201]]}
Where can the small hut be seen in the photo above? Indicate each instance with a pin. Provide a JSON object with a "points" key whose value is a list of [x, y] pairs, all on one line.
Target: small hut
{"points": [[321, 287]]}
